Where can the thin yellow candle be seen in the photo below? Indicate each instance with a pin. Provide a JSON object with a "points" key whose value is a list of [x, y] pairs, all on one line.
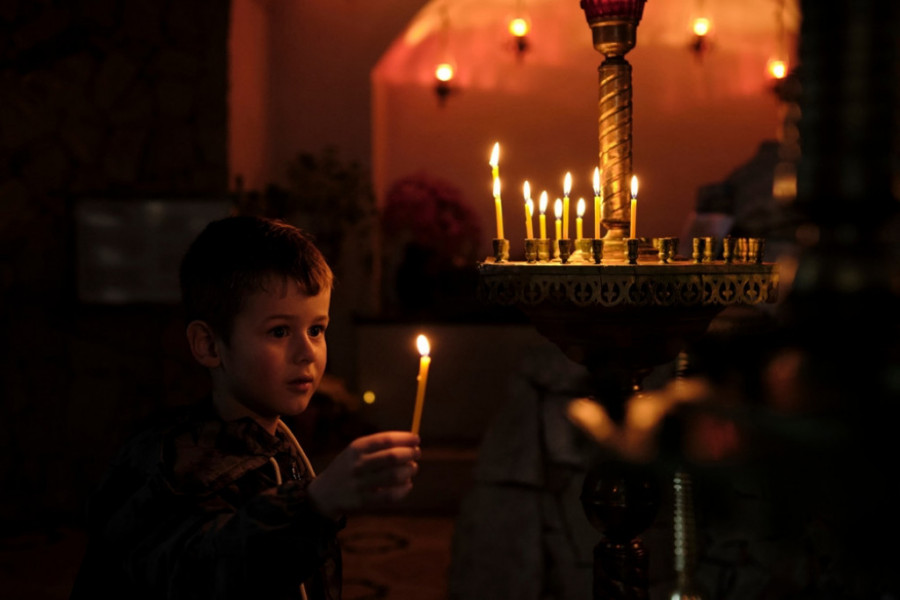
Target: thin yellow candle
{"points": [[597, 202], [579, 230], [499, 209], [567, 188], [634, 188], [542, 206], [529, 210], [558, 211], [424, 363], [495, 161]]}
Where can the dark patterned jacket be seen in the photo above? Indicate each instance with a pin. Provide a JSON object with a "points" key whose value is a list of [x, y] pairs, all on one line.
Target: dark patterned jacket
{"points": [[191, 509]]}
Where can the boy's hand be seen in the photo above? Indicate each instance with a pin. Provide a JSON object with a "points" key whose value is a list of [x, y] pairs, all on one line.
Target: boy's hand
{"points": [[373, 470]]}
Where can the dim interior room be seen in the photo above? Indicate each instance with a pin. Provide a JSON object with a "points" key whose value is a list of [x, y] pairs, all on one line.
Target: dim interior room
{"points": [[368, 88]]}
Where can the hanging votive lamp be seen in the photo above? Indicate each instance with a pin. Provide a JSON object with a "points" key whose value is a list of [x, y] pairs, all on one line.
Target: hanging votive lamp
{"points": [[776, 68], [700, 28], [443, 75], [519, 28]]}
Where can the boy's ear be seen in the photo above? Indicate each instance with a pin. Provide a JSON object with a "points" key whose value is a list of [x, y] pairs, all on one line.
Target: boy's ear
{"points": [[202, 342]]}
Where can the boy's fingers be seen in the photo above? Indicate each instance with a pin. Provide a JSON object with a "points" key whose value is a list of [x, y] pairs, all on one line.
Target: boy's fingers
{"points": [[389, 477], [388, 458], [384, 440]]}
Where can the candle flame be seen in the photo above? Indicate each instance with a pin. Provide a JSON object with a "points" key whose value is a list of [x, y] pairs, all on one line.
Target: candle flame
{"points": [[596, 181], [701, 26], [495, 155], [443, 72], [497, 187], [529, 206], [423, 345], [580, 208], [542, 203], [567, 184], [777, 68], [557, 208], [634, 187], [526, 190], [518, 27]]}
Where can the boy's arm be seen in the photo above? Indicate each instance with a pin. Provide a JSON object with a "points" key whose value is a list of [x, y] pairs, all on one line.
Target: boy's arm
{"points": [[188, 546]]}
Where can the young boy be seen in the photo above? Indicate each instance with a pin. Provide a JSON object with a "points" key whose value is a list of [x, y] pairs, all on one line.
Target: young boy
{"points": [[221, 501]]}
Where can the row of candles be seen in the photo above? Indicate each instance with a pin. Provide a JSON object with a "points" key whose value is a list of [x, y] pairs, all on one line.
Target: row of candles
{"points": [[561, 208]]}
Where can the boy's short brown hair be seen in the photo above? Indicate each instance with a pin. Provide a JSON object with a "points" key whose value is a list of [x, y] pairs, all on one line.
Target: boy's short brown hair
{"points": [[237, 256]]}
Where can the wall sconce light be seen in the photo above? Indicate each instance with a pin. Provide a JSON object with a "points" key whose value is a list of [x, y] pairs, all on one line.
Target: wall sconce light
{"points": [[776, 68], [700, 45], [519, 28], [443, 75]]}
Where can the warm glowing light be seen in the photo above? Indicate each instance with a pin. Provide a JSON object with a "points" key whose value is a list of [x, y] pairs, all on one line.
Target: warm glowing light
{"points": [[543, 202], [495, 155], [423, 346], [518, 27], [557, 208], [634, 187], [526, 190], [701, 26], [422, 378], [596, 181], [444, 72], [497, 188], [567, 184], [777, 68], [580, 208], [369, 397]]}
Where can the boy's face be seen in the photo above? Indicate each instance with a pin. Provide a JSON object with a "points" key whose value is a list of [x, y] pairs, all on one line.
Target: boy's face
{"points": [[276, 356]]}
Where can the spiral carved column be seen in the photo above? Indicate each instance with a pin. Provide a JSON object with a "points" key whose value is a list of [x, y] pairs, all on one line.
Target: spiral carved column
{"points": [[615, 144], [614, 33]]}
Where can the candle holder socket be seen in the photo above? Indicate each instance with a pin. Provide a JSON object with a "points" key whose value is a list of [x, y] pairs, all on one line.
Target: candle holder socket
{"points": [[583, 248], [709, 249], [543, 250], [699, 244], [501, 249], [632, 247], [597, 250], [756, 247], [566, 247], [531, 250], [664, 249], [728, 247]]}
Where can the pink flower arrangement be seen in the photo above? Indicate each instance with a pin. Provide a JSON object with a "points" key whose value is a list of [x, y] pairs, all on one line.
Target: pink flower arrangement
{"points": [[429, 212]]}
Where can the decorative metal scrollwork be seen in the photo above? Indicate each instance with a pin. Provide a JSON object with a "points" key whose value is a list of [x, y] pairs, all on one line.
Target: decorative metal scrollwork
{"points": [[684, 285]]}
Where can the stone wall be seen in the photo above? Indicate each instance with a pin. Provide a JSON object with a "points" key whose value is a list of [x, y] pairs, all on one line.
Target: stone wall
{"points": [[122, 99]]}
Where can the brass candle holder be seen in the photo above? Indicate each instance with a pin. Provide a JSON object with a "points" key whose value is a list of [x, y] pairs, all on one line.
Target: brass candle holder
{"points": [[627, 309]]}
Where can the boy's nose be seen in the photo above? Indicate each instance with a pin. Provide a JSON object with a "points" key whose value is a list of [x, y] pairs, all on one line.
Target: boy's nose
{"points": [[303, 349]]}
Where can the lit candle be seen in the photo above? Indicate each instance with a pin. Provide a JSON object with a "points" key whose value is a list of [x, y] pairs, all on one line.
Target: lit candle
{"points": [[495, 161], [579, 230], [529, 210], [634, 188], [424, 363], [499, 209], [597, 202], [567, 187], [542, 206], [558, 211], [495, 174]]}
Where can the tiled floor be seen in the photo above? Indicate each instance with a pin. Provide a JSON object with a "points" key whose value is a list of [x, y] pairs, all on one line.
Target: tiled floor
{"points": [[386, 557]]}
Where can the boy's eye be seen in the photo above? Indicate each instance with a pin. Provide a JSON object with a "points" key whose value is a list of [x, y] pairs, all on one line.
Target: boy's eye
{"points": [[280, 331], [316, 330]]}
